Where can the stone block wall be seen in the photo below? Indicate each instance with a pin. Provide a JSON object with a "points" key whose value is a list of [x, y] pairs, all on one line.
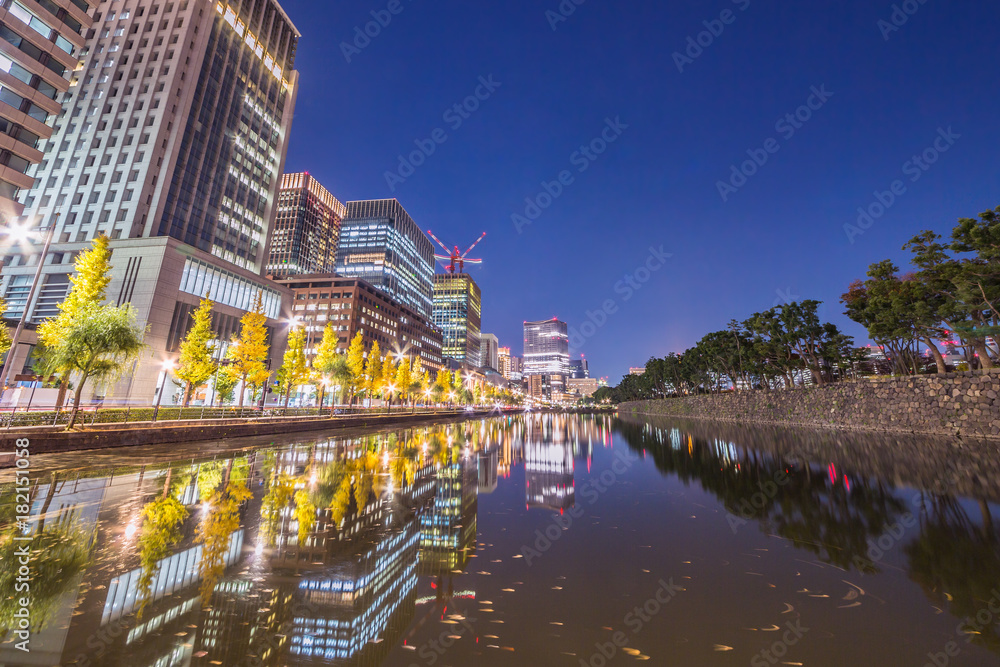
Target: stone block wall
{"points": [[964, 404]]}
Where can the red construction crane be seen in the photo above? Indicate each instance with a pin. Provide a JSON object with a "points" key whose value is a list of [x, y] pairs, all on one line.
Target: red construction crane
{"points": [[455, 261]]}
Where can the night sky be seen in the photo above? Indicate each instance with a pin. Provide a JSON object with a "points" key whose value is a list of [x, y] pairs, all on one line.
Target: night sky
{"points": [[880, 96]]}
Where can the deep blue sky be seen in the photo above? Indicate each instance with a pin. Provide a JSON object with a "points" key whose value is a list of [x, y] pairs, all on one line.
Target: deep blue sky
{"points": [[782, 234]]}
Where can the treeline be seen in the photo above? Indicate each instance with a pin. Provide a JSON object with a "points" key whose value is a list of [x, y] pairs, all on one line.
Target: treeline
{"points": [[91, 342], [947, 302]]}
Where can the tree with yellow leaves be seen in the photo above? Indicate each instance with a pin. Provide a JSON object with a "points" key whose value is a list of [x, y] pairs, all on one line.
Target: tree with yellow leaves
{"points": [[403, 379], [356, 364], [197, 364], [373, 371], [5, 341], [327, 359], [248, 351], [87, 292], [295, 369], [388, 385]]}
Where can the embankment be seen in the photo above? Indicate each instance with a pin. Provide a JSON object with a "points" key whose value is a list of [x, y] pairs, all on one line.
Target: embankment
{"points": [[955, 404], [48, 439]]}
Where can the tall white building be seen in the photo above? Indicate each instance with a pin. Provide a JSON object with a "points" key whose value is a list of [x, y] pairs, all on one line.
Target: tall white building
{"points": [[172, 142], [489, 350]]}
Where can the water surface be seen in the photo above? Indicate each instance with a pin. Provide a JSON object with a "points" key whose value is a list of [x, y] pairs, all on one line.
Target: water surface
{"points": [[536, 540]]}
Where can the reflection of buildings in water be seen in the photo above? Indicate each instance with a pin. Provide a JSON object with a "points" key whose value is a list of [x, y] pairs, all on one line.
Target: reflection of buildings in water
{"points": [[489, 462], [347, 594], [366, 596], [548, 463], [95, 620], [448, 525], [548, 475]]}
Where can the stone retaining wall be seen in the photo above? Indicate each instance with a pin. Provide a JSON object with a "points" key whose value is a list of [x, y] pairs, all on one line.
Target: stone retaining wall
{"points": [[963, 404]]}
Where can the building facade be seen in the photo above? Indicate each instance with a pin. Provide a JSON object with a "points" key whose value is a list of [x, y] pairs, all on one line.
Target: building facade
{"points": [[579, 369], [458, 314], [380, 244], [39, 53], [490, 351], [171, 144], [582, 387], [503, 362], [306, 228], [354, 305]]}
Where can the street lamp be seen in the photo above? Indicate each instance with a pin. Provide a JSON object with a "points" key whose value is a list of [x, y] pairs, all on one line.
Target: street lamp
{"points": [[21, 234], [167, 367]]}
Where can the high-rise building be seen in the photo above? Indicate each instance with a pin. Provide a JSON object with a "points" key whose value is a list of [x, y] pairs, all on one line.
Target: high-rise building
{"points": [[458, 313], [546, 348], [306, 228], [490, 351], [171, 144], [380, 244], [516, 368], [503, 362], [579, 369], [39, 62]]}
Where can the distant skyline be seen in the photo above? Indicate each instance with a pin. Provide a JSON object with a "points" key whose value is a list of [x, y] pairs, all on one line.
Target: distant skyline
{"points": [[597, 145]]}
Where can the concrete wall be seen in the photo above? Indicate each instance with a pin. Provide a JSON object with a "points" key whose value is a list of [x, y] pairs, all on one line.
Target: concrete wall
{"points": [[965, 404]]}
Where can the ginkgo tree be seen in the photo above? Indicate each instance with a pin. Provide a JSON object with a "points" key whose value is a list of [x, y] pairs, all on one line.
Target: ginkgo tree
{"points": [[249, 350], [295, 369], [356, 364], [197, 363], [88, 290]]}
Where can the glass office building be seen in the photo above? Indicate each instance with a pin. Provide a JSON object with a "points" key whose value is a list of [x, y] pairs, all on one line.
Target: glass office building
{"points": [[546, 348], [171, 143], [458, 313], [380, 243], [38, 60], [306, 229]]}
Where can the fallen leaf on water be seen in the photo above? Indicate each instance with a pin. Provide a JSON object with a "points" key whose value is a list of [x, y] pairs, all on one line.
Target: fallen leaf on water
{"points": [[848, 606], [721, 647], [632, 651]]}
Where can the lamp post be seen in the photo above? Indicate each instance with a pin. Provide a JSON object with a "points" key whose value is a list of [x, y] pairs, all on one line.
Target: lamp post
{"points": [[16, 338], [167, 367]]}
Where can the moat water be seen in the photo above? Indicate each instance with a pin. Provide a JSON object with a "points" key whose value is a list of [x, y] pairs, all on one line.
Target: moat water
{"points": [[529, 540]]}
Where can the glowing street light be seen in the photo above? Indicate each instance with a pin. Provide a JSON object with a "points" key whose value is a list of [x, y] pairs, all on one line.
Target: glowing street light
{"points": [[20, 234]]}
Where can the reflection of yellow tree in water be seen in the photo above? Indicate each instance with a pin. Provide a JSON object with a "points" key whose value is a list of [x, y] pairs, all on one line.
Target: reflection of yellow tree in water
{"points": [[161, 530], [338, 479], [958, 566], [58, 553], [216, 530], [305, 514]]}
